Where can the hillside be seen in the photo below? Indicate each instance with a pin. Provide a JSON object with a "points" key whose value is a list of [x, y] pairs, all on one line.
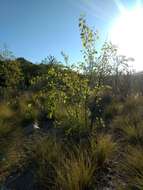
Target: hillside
{"points": [[71, 127]]}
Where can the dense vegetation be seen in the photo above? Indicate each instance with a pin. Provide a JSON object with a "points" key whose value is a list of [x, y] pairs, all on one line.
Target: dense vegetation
{"points": [[66, 127]]}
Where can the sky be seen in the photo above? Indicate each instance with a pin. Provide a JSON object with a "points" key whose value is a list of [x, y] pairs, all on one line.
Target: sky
{"points": [[35, 29]]}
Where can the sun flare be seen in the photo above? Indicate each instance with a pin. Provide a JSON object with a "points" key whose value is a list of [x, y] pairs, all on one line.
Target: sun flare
{"points": [[127, 34]]}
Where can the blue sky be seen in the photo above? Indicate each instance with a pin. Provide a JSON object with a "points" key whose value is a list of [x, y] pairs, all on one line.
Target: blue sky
{"points": [[36, 28]]}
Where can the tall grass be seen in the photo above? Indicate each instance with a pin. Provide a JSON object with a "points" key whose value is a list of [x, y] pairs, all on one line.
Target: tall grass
{"points": [[131, 168], [76, 172]]}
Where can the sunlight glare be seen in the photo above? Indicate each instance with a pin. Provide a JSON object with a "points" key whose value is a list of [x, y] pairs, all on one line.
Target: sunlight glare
{"points": [[127, 34]]}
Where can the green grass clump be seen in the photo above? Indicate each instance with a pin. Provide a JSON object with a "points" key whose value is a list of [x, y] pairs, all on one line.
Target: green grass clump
{"points": [[76, 172], [131, 168]]}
